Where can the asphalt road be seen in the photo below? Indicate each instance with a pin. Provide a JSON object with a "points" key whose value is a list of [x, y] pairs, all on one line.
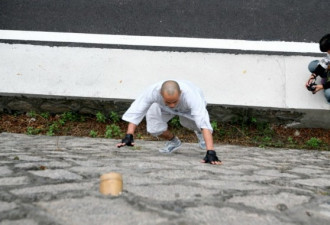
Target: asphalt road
{"points": [[294, 20]]}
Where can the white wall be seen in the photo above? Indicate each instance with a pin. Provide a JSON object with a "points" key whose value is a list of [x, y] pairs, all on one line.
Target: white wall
{"points": [[226, 79]]}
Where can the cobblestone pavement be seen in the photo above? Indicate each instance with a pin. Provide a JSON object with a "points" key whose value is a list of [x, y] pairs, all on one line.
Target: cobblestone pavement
{"points": [[55, 180]]}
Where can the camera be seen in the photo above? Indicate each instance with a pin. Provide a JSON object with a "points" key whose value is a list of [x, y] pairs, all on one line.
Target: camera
{"points": [[311, 86]]}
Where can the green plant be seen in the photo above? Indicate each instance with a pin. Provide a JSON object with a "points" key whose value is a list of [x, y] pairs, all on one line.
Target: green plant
{"points": [[32, 131], [222, 132], [52, 129], [32, 114], [45, 115], [82, 118], [114, 117], [291, 143], [93, 133], [290, 140], [278, 144], [112, 131], [217, 131], [214, 125], [175, 122], [29, 130], [69, 116], [61, 121], [266, 139], [262, 141], [100, 117], [314, 142], [253, 120]]}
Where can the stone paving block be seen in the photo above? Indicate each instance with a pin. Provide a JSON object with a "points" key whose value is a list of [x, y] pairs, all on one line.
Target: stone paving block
{"points": [[139, 165], [87, 163], [271, 202], [59, 174], [170, 192], [92, 210], [7, 181], [325, 210], [4, 170], [94, 171], [309, 170], [323, 176], [31, 158], [275, 174], [49, 165], [68, 156], [221, 170], [132, 179], [8, 154], [5, 206], [19, 222], [242, 167], [258, 178], [165, 159], [237, 185], [226, 215], [53, 189], [316, 182], [178, 174]]}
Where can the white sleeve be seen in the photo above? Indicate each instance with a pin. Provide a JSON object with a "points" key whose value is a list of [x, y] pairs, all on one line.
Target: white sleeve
{"points": [[203, 120], [198, 110], [139, 107]]}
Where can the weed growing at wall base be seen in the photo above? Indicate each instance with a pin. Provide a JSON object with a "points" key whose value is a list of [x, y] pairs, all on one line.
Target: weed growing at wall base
{"points": [[314, 143], [175, 122], [247, 132], [100, 117], [32, 131], [113, 131], [31, 114], [114, 117], [93, 133]]}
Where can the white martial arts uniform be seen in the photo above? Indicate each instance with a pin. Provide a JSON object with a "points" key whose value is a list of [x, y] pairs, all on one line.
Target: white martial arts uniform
{"points": [[191, 109]]}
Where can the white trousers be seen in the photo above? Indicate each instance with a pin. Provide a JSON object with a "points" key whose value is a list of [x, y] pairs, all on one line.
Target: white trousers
{"points": [[157, 120]]}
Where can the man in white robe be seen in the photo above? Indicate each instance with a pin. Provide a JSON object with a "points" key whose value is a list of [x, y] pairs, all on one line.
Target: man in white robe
{"points": [[160, 103]]}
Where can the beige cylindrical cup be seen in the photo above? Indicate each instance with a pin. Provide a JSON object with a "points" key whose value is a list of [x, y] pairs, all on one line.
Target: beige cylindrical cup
{"points": [[111, 184]]}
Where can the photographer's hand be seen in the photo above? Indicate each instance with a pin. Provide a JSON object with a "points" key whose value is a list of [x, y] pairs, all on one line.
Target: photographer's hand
{"points": [[310, 80], [318, 87]]}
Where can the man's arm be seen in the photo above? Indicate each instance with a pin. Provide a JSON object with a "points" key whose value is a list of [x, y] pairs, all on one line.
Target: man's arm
{"points": [[131, 128], [208, 138], [211, 156]]}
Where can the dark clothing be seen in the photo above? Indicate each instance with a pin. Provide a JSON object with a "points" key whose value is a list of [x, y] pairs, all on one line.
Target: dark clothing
{"points": [[326, 81]]}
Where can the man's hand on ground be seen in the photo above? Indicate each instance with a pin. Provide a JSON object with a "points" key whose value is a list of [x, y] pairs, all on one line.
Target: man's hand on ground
{"points": [[211, 157], [126, 141]]}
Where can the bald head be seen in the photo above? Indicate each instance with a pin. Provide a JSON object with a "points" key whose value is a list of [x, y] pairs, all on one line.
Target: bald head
{"points": [[170, 88], [171, 93]]}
